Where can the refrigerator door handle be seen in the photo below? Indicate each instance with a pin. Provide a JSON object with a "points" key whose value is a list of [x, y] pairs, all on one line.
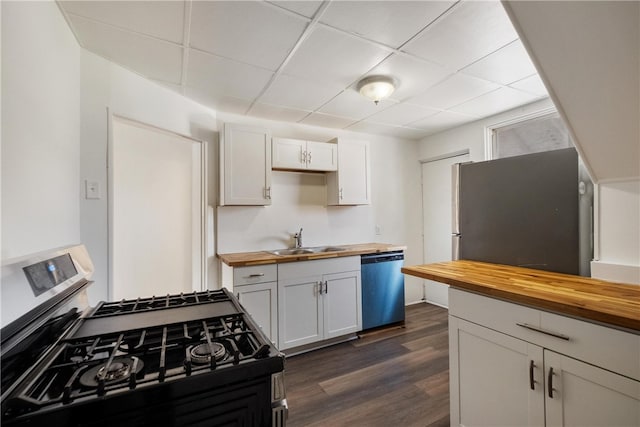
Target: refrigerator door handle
{"points": [[455, 198], [455, 247]]}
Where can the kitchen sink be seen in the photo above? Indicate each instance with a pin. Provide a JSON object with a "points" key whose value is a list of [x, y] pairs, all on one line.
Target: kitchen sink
{"points": [[296, 251], [302, 251]]}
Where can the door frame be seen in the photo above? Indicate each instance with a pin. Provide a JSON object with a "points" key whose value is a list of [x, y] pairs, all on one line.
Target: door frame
{"points": [[422, 162], [202, 244]]}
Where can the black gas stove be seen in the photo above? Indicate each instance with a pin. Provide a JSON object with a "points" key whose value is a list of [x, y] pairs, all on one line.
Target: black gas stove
{"points": [[188, 359]]}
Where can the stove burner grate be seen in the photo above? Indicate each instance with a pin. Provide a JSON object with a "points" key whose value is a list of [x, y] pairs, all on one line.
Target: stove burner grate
{"points": [[118, 370]]}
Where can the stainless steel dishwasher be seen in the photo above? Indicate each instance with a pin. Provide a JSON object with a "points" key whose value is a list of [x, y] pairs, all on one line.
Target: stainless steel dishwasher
{"points": [[382, 289]]}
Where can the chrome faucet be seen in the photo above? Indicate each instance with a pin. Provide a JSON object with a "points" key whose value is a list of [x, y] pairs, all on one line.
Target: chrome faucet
{"points": [[298, 237]]}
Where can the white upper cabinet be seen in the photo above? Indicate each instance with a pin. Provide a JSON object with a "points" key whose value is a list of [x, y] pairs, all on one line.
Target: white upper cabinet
{"points": [[351, 183], [304, 155], [245, 166]]}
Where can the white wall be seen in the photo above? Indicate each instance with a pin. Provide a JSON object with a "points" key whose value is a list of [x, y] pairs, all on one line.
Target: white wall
{"points": [[40, 129], [299, 200], [109, 86], [618, 232]]}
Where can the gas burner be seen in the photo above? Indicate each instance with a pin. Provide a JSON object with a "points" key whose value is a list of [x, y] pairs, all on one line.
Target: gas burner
{"points": [[119, 370], [201, 353]]}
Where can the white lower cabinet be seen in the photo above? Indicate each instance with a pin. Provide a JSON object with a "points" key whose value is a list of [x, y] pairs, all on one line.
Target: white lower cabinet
{"points": [[318, 300], [256, 288], [261, 302], [507, 370]]}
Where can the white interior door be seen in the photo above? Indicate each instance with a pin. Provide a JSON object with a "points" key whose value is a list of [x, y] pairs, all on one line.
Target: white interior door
{"points": [[436, 217], [156, 201]]}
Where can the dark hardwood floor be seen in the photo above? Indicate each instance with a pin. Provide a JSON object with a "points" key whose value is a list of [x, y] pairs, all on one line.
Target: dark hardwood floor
{"points": [[394, 377]]}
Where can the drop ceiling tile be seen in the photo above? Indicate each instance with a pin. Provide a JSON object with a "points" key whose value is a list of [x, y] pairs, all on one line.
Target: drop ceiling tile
{"points": [[327, 120], [495, 102], [469, 32], [246, 31], [299, 93], [227, 104], [275, 112], [532, 84], [351, 104], [220, 77], [391, 23], [333, 57], [152, 58], [441, 121], [413, 75], [161, 19], [455, 90], [304, 8], [506, 65], [381, 129], [401, 114]]}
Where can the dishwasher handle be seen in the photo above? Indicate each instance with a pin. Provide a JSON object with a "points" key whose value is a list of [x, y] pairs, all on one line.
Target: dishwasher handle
{"points": [[382, 257]]}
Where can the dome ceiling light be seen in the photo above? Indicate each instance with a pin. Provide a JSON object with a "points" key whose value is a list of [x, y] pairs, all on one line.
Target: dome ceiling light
{"points": [[376, 87]]}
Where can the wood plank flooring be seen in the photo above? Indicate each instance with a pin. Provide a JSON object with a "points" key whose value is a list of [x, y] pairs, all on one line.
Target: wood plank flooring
{"points": [[394, 377]]}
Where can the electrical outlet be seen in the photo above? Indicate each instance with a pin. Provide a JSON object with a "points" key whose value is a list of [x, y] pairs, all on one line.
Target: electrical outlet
{"points": [[378, 230], [92, 189]]}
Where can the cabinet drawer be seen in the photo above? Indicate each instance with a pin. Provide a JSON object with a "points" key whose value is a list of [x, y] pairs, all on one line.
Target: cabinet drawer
{"points": [[495, 314], [255, 274], [609, 348]]}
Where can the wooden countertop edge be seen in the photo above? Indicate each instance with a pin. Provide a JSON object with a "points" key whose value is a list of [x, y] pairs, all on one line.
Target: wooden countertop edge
{"points": [[606, 316], [265, 257]]}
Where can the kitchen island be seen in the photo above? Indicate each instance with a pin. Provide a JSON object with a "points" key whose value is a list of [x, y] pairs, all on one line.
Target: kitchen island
{"points": [[530, 347]]}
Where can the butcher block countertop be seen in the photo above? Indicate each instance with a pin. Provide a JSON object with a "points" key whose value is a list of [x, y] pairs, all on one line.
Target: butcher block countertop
{"points": [[243, 259], [616, 304]]}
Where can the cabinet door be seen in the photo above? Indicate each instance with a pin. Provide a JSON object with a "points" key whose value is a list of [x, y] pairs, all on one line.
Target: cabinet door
{"points": [[585, 395], [322, 156], [299, 312], [288, 153], [342, 304], [350, 185], [261, 302], [491, 378], [247, 166]]}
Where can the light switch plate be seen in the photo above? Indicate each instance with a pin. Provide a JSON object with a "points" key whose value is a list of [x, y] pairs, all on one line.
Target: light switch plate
{"points": [[92, 189]]}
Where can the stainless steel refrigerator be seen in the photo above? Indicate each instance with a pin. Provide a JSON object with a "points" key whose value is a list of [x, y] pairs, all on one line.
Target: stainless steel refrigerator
{"points": [[521, 211]]}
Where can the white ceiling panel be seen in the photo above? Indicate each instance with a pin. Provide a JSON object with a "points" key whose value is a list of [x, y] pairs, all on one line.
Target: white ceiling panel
{"points": [[382, 129], [532, 84], [299, 93], [232, 78], [401, 114], [247, 31], [351, 104], [442, 121], [304, 8], [469, 32], [153, 58], [455, 90], [161, 19], [275, 112], [506, 65], [239, 57], [327, 120], [413, 75], [495, 102], [390, 23], [333, 57]]}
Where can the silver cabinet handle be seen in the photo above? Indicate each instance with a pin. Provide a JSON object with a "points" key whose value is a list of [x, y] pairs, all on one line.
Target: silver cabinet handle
{"points": [[340, 192], [319, 288], [256, 275], [542, 331], [326, 287], [309, 157], [304, 157], [267, 193]]}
